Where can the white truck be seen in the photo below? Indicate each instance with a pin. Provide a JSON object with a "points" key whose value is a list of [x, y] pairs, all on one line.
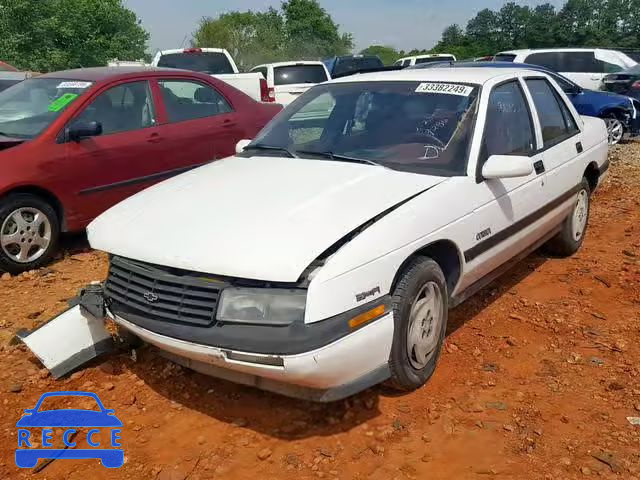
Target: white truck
{"points": [[218, 63]]}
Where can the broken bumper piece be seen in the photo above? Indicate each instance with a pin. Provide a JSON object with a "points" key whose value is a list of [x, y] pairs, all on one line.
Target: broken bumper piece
{"points": [[73, 338]]}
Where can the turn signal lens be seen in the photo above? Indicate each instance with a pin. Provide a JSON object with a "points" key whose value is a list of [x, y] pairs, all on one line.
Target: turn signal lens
{"points": [[365, 317]]}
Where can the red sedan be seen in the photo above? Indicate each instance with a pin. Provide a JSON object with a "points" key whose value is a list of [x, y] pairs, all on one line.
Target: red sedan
{"points": [[74, 143]]}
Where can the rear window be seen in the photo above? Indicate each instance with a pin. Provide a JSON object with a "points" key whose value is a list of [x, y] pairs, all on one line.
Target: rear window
{"points": [[299, 74], [203, 62], [504, 57], [445, 58], [4, 84], [350, 64]]}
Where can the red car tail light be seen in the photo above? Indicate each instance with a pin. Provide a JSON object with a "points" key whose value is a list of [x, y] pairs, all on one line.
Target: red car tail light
{"points": [[192, 50], [636, 85], [266, 94]]}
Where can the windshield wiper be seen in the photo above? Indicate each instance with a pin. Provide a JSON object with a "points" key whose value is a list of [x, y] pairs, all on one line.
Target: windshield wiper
{"points": [[259, 146], [338, 157]]}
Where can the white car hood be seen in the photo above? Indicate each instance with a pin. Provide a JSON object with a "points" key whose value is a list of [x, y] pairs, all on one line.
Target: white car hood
{"points": [[260, 218]]}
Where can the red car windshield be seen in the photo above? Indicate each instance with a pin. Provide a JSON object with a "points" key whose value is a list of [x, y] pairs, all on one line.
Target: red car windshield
{"points": [[28, 108]]}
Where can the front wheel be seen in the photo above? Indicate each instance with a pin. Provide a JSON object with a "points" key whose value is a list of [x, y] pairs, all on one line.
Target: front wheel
{"points": [[29, 231], [574, 228], [615, 129], [420, 311]]}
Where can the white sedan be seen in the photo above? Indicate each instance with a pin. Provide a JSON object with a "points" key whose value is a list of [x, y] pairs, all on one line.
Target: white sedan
{"points": [[324, 257]]}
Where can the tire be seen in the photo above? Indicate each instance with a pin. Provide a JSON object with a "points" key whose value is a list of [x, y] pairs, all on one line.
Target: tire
{"points": [[27, 241], [574, 227], [615, 129], [420, 311]]}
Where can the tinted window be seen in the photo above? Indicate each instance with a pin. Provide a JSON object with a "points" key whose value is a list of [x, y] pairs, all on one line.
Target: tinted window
{"points": [[211, 63], [350, 64], [504, 57], [299, 74], [187, 100], [433, 59], [4, 84], [580, 62], [406, 63], [262, 70], [555, 120], [122, 108], [508, 130], [563, 83], [551, 60], [421, 127], [606, 67]]}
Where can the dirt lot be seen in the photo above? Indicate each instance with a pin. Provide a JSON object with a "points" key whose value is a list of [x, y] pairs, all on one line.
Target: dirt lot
{"points": [[538, 376]]}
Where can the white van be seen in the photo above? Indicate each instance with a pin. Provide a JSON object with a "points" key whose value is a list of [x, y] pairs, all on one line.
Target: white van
{"points": [[585, 66], [429, 58], [286, 81]]}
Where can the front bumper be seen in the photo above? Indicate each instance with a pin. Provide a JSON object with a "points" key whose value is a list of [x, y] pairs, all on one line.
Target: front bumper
{"points": [[335, 371]]}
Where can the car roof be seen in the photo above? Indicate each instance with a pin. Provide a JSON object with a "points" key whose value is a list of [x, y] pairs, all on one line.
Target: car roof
{"points": [[548, 50], [288, 64], [477, 76], [99, 74]]}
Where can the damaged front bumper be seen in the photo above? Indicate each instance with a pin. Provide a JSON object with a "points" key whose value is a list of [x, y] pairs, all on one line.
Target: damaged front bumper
{"points": [[336, 370]]}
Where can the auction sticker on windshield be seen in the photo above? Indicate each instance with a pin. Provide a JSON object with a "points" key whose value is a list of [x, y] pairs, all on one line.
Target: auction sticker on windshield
{"points": [[61, 102], [74, 85], [446, 88]]}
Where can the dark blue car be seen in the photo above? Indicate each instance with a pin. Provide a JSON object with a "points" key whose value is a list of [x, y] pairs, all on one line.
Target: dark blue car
{"points": [[78, 418], [620, 113]]}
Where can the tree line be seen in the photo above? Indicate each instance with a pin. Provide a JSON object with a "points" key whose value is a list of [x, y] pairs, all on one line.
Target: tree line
{"points": [[592, 23]]}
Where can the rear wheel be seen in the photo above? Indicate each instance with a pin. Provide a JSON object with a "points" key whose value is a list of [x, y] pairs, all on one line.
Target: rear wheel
{"points": [[29, 231], [615, 129], [420, 307], [574, 228]]}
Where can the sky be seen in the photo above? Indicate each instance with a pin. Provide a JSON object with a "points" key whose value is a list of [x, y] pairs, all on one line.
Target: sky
{"points": [[403, 24]]}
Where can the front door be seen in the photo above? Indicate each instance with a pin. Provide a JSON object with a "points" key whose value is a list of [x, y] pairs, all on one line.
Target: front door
{"points": [[124, 159], [505, 220]]}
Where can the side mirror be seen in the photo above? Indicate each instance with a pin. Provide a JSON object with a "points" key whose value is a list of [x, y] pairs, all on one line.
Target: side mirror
{"points": [[78, 131], [240, 146], [507, 166]]}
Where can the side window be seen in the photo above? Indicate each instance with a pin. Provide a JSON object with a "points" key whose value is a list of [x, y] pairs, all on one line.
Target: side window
{"points": [[580, 62], [187, 100], [122, 108], [508, 129], [406, 63], [606, 67], [555, 119], [550, 60], [261, 70]]}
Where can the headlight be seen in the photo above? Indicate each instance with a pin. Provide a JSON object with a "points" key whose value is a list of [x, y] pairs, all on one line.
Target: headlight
{"points": [[268, 306]]}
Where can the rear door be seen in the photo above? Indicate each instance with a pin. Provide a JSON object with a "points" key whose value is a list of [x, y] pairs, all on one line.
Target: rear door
{"points": [[291, 81], [199, 123], [124, 159]]}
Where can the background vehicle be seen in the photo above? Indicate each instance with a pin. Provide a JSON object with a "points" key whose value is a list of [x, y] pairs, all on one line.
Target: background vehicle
{"points": [[74, 143], [585, 66], [346, 65], [216, 62], [9, 78], [287, 80], [620, 113], [420, 59], [626, 82], [351, 281], [5, 67]]}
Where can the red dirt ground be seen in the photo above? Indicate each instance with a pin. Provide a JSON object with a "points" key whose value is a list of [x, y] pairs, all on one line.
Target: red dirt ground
{"points": [[539, 373]]}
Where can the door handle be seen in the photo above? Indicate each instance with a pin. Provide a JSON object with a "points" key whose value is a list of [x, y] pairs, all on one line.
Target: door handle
{"points": [[539, 167], [154, 138], [579, 147], [228, 124]]}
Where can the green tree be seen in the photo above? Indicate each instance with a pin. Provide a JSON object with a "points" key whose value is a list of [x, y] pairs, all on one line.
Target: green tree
{"points": [[387, 54], [311, 32], [47, 35]]}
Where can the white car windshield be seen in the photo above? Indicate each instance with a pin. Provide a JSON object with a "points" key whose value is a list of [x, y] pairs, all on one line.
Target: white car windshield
{"points": [[420, 127], [29, 107]]}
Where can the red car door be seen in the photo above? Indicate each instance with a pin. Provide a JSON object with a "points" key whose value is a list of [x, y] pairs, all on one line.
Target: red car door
{"points": [[201, 124], [125, 158]]}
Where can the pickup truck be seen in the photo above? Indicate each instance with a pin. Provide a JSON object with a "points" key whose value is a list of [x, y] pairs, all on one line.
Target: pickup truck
{"points": [[218, 63], [415, 189]]}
